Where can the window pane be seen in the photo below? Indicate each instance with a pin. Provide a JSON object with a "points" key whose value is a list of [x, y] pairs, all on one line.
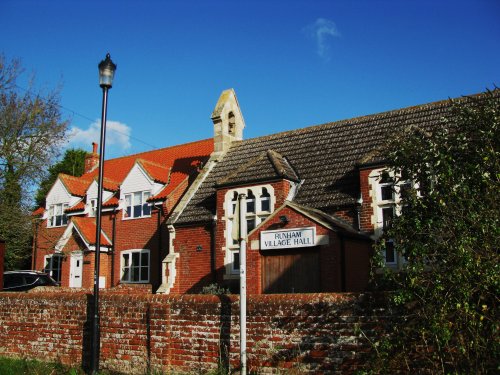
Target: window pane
{"points": [[137, 198], [264, 204], [386, 192], [236, 261], [146, 209], [250, 224], [126, 260], [128, 205], [250, 206], [387, 216], [144, 259], [390, 256], [136, 259], [144, 274], [135, 274], [47, 265], [126, 274], [137, 211]]}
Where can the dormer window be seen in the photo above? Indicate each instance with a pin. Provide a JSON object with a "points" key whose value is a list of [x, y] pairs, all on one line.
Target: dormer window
{"points": [[57, 217], [136, 205]]}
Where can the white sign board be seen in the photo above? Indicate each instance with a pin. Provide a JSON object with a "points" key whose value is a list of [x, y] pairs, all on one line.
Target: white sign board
{"points": [[289, 238]]}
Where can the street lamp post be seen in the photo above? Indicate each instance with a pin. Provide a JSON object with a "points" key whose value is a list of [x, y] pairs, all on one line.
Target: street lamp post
{"points": [[106, 73]]}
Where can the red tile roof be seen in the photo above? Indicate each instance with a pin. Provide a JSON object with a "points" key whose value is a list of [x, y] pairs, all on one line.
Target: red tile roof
{"points": [[86, 227], [175, 180], [170, 165], [80, 206], [156, 172], [38, 212], [113, 201], [181, 158], [75, 185]]}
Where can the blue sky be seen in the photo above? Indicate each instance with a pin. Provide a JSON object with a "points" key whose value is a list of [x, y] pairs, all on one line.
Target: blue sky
{"points": [[292, 63]]}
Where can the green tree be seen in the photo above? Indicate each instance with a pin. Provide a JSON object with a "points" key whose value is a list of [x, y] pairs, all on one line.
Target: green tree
{"points": [[31, 132], [72, 163], [449, 233]]}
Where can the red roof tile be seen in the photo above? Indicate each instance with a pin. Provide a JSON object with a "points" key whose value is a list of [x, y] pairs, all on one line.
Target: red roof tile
{"points": [[113, 201], [80, 206], [86, 227], [182, 158], [170, 166], [156, 172], [75, 185], [175, 180], [38, 212]]}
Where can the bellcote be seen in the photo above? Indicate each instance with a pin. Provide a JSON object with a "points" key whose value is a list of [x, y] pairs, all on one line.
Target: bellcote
{"points": [[228, 121]]}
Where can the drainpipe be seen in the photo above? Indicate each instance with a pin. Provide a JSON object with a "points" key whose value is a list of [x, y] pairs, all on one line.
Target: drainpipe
{"points": [[35, 243], [113, 240], [160, 237], [213, 262], [359, 206]]}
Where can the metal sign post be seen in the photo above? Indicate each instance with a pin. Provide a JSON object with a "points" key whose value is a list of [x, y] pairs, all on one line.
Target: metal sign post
{"points": [[243, 282]]}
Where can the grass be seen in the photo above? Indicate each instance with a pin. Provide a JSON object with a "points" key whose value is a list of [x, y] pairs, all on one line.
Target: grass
{"points": [[23, 366], [15, 366]]}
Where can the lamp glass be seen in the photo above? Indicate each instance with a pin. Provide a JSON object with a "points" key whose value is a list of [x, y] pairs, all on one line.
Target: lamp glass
{"points": [[106, 72]]}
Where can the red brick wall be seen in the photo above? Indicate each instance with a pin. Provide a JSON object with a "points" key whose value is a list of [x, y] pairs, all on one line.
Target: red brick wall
{"points": [[129, 234], [308, 333], [366, 208], [194, 263]]}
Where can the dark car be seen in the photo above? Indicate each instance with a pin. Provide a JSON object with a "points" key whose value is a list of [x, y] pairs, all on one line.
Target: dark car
{"points": [[17, 281]]}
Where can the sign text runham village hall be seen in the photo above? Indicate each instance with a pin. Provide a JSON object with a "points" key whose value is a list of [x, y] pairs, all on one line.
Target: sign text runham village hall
{"points": [[290, 238]]}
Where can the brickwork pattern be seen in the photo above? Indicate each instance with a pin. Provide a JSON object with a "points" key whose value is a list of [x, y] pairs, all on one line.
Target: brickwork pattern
{"points": [[140, 332]]}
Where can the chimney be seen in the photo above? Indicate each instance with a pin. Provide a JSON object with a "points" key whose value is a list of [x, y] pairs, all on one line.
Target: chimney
{"points": [[91, 159]]}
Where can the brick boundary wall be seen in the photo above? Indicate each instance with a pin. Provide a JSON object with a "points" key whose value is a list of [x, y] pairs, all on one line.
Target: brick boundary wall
{"points": [[301, 333]]}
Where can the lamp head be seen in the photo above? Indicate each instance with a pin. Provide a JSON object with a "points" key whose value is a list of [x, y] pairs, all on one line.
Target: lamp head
{"points": [[106, 72]]}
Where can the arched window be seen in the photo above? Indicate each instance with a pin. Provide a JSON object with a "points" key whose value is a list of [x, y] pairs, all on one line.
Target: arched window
{"points": [[265, 201], [234, 202], [250, 202]]}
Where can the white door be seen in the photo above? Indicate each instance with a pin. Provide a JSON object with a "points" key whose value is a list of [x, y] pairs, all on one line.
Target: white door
{"points": [[75, 271]]}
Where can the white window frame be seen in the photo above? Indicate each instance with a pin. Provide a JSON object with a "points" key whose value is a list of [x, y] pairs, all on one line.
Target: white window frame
{"points": [[93, 207], [124, 266], [52, 218], [235, 260], [381, 204], [131, 197], [232, 248]]}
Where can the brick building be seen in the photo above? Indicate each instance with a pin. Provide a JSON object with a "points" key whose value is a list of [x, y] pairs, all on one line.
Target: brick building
{"points": [[315, 199], [139, 191]]}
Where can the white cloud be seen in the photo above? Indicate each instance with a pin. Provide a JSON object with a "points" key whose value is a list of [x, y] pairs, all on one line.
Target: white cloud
{"points": [[322, 31], [117, 135]]}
